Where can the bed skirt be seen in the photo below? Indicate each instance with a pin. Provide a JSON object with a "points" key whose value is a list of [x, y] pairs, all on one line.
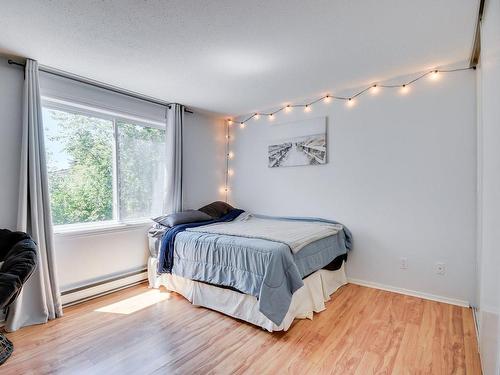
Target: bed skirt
{"points": [[307, 300]]}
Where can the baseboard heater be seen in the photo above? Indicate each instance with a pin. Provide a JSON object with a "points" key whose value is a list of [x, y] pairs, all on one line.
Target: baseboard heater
{"points": [[101, 288]]}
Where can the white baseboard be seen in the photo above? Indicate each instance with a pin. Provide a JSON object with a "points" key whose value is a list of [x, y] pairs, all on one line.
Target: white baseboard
{"points": [[75, 296], [413, 293], [82, 294]]}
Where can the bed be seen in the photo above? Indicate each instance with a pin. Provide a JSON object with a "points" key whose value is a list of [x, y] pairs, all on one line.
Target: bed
{"points": [[265, 270]]}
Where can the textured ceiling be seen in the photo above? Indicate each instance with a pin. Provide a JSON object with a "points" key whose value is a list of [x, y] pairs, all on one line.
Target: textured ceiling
{"points": [[236, 56]]}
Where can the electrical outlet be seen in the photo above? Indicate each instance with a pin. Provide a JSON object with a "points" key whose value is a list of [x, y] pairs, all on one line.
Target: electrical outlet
{"points": [[403, 263], [440, 268]]}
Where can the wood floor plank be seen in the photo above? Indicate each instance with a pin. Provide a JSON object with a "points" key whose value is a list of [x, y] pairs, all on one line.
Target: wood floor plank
{"points": [[368, 364], [362, 331], [405, 362], [425, 339]]}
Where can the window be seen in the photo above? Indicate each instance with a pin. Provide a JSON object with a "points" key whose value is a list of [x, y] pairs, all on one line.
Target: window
{"points": [[102, 168], [141, 169]]}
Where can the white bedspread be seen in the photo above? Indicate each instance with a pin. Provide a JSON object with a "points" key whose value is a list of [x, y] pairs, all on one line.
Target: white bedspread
{"points": [[296, 234]]}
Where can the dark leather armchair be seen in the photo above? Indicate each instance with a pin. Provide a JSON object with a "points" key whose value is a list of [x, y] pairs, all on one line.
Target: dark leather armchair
{"points": [[18, 252]]}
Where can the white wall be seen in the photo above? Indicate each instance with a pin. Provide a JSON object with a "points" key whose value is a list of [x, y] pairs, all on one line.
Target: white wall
{"points": [[86, 258], [489, 189], [11, 85], [204, 159], [401, 175], [83, 259]]}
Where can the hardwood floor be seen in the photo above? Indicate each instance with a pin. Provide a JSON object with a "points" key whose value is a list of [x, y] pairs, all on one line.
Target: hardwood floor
{"points": [[142, 331]]}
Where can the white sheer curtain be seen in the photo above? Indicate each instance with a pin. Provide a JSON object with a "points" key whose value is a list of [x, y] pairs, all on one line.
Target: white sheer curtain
{"points": [[175, 123], [39, 299]]}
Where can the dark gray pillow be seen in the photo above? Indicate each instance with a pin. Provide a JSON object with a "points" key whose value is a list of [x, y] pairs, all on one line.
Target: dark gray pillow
{"points": [[217, 209], [189, 216]]}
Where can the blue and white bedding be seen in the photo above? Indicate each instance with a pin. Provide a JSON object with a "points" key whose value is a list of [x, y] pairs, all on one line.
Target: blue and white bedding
{"points": [[294, 233], [255, 264]]}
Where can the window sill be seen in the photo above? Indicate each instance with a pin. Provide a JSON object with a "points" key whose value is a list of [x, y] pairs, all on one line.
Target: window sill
{"points": [[98, 228]]}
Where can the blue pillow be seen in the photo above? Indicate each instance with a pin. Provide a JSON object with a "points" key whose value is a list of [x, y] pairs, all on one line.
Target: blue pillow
{"points": [[183, 217]]}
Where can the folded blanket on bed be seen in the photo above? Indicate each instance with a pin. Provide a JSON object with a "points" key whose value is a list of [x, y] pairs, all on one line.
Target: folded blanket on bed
{"points": [[296, 234]]}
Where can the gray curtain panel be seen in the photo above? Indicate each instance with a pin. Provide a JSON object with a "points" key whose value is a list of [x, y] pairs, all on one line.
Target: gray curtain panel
{"points": [[39, 299], [175, 123]]}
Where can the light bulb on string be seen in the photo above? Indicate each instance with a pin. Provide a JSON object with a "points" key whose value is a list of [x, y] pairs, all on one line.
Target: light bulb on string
{"points": [[327, 99], [350, 102], [230, 172], [404, 89], [230, 155], [374, 89], [256, 116], [307, 108], [434, 76], [288, 108], [271, 117], [242, 125], [230, 122]]}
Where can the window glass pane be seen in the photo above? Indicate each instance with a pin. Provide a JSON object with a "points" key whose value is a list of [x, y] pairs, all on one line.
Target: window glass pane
{"points": [[79, 152], [141, 166]]}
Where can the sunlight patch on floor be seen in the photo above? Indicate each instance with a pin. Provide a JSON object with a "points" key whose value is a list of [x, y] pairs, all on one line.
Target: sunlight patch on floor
{"points": [[136, 303]]}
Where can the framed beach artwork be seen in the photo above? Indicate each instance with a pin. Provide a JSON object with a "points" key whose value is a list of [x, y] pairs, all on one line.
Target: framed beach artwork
{"points": [[298, 143]]}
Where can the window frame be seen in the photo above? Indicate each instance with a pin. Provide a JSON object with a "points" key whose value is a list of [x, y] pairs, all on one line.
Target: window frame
{"points": [[117, 223]]}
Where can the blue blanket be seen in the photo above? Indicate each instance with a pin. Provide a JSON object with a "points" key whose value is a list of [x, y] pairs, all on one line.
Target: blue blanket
{"points": [[165, 262], [265, 269]]}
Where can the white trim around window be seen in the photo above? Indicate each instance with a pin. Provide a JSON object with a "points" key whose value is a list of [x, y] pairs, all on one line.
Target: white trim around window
{"points": [[117, 224], [86, 229]]}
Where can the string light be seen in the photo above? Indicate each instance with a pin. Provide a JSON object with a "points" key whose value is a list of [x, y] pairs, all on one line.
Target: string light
{"points": [[351, 100], [434, 75], [229, 155]]}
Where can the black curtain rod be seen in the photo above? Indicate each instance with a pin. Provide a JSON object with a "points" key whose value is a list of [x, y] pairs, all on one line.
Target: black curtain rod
{"points": [[101, 86]]}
